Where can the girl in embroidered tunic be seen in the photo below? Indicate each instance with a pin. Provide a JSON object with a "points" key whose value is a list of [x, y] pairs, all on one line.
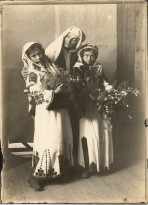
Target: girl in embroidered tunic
{"points": [[95, 137], [52, 148]]}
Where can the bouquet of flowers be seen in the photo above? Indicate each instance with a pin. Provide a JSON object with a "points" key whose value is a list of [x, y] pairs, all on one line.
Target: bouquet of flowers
{"points": [[115, 99], [69, 97], [87, 85]]}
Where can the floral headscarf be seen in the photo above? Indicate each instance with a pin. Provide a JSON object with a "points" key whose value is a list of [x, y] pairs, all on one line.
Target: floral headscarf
{"points": [[84, 47], [54, 49], [28, 63]]}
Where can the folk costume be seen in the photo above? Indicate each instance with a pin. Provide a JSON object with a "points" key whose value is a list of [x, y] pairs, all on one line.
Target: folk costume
{"points": [[53, 140], [66, 60], [95, 136]]}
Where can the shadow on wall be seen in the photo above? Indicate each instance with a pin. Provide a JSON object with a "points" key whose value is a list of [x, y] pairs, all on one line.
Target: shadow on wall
{"points": [[17, 124]]}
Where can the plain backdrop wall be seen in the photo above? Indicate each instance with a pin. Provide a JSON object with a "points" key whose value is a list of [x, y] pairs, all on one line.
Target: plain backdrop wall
{"points": [[43, 23]]}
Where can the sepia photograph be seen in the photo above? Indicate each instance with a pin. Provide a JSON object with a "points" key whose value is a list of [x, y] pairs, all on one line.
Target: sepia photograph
{"points": [[73, 102]]}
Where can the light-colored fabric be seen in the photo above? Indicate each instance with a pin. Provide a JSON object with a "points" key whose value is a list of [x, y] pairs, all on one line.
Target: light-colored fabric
{"points": [[98, 136], [54, 49], [53, 140]]}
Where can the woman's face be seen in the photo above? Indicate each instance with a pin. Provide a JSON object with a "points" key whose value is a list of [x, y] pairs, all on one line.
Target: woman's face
{"points": [[36, 55], [89, 57], [70, 41]]}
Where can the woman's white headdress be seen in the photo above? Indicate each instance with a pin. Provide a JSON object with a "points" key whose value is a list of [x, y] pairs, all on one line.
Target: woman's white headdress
{"points": [[54, 49]]}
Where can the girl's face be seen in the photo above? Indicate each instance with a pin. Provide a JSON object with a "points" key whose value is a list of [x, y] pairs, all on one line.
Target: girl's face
{"points": [[36, 55], [89, 57], [70, 41]]}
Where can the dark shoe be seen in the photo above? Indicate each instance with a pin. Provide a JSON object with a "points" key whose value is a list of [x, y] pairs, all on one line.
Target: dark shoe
{"points": [[106, 171], [85, 175], [34, 183]]}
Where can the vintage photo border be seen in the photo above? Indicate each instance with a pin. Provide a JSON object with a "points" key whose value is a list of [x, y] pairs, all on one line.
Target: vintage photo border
{"points": [[52, 2]]}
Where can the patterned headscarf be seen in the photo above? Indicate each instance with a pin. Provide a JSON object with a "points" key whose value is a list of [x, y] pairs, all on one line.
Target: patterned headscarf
{"points": [[84, 47], [26, 60], [28, 63]]}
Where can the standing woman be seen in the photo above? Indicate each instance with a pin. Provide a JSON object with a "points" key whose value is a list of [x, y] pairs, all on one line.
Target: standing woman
{"points": [[95, 136], [63, 51], [53, 143]]}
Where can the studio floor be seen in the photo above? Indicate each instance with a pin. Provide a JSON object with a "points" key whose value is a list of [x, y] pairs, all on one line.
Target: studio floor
{"points": [[125, 182]]}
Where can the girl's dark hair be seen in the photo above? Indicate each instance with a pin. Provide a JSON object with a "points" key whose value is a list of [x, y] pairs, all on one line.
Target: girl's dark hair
{"points": [[34, 46]]}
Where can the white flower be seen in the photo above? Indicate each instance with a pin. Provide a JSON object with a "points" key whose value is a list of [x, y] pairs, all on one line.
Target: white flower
{"points": [[124, 93], [137, 92]]}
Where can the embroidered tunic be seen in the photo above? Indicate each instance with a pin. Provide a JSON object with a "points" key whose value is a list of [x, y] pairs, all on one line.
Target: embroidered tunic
{"points": [[53, 143]]}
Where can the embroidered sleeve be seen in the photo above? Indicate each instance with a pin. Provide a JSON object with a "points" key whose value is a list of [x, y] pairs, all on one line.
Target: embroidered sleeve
{"points": [[38, 97], [41, 96], [99, 70], [25, 73], [37, 89], [33, 77]]}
